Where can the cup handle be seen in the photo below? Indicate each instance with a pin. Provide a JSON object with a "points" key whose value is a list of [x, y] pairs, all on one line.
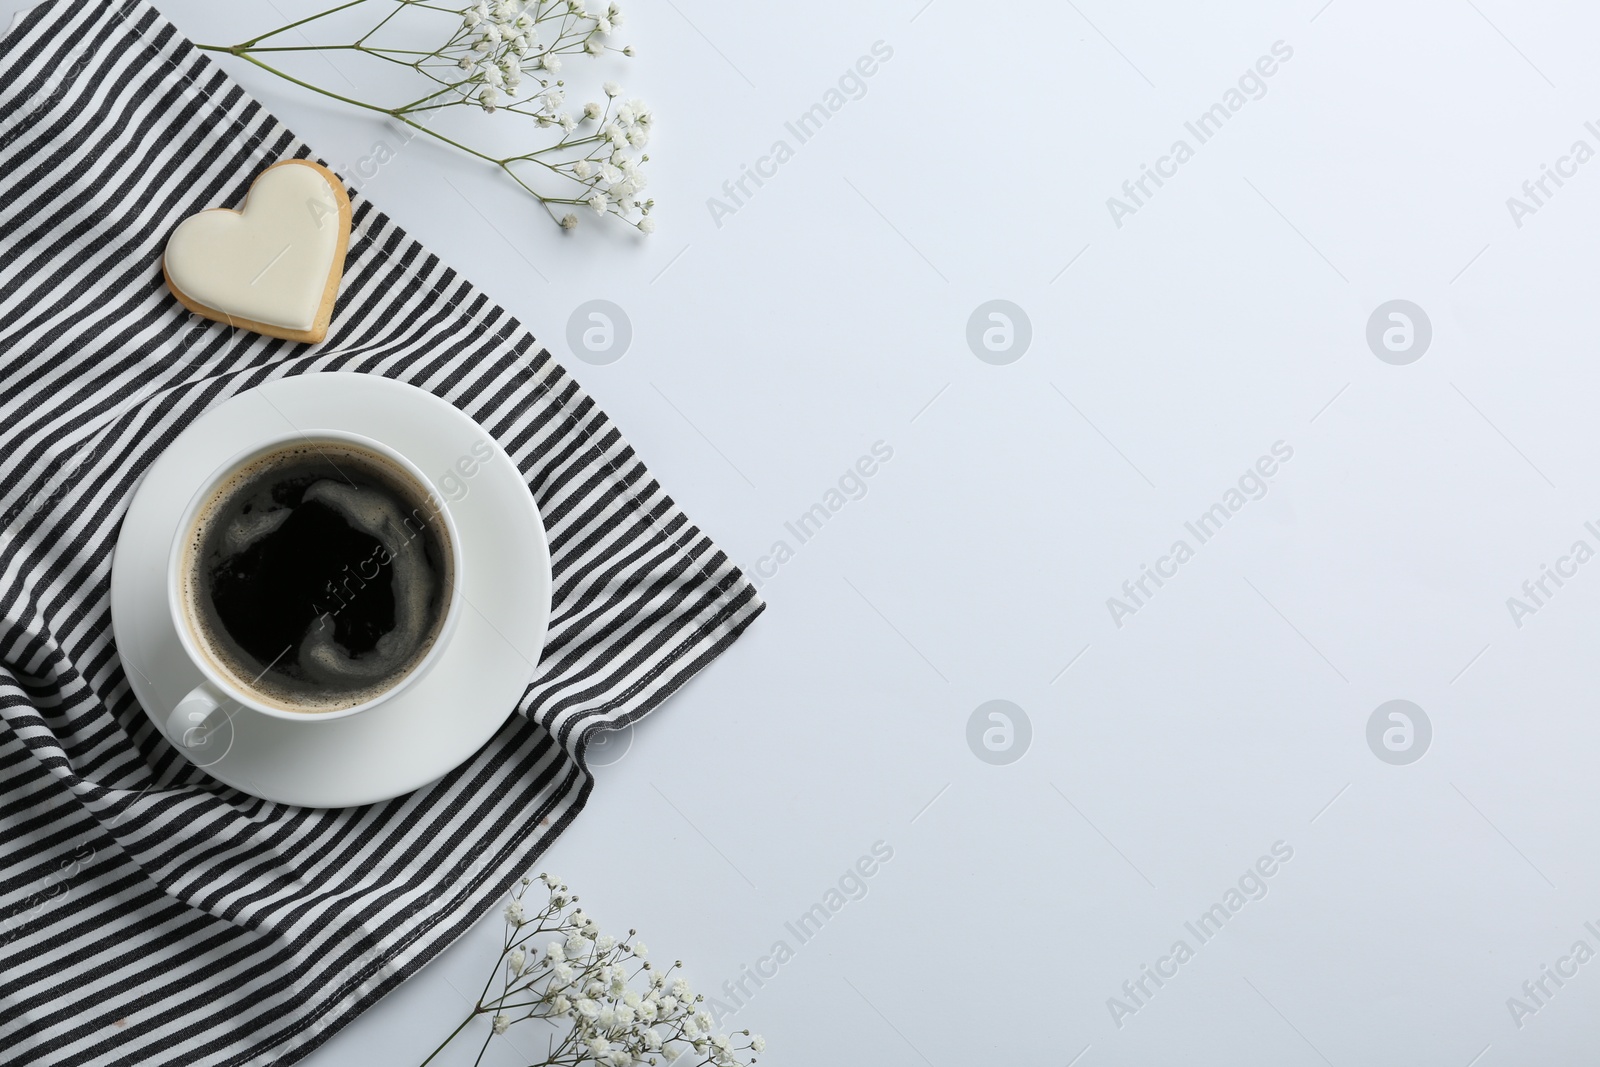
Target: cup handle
{"points": [[190, 714]]}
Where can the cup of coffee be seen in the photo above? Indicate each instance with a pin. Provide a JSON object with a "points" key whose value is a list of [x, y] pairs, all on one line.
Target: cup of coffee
{"points": [[313, 577]]}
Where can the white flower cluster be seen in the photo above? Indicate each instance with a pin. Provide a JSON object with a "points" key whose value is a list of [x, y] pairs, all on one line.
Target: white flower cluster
{"points": [[615, 1007], [500, 42], [497, 42], [506, 56], [613, 172], [499, 47]]}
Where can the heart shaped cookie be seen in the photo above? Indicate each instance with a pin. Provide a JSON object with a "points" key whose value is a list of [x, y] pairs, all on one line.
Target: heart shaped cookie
{"points": [[273, 266]]}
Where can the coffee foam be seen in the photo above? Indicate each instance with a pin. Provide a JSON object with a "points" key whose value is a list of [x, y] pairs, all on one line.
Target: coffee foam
{"points": [[414, 584]]}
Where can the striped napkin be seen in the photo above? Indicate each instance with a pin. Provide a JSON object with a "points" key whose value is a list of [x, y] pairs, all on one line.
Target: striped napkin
{"points": [[147, 913]]}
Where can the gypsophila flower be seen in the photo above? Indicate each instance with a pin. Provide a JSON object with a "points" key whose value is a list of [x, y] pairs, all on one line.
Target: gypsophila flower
{"points": [[501, 1024], [647, 225], [492, 55], [514, 912], [758, 1043]]}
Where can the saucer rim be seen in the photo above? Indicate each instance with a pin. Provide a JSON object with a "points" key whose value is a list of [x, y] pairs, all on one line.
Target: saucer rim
{"points": [[366, 784]]}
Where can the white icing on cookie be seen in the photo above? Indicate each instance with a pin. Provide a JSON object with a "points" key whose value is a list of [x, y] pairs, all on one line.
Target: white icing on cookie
{"points": [[269, 262]]}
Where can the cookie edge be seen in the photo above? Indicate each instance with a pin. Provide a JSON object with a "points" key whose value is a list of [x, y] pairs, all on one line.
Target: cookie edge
{"points": [[330, 292]]}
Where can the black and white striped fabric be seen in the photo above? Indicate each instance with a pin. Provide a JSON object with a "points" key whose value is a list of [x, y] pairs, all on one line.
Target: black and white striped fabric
{"points": [[147, 913]]}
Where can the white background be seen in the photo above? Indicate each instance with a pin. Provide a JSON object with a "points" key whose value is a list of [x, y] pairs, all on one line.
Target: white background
{"points": [[1229, 313]]}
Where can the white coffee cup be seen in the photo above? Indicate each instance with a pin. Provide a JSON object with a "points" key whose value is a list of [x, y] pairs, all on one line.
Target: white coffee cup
{"points": [[220, 691]]}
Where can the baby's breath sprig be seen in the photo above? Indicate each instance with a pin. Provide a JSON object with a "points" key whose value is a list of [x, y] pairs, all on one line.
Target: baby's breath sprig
{"points": [[605, 1002], [505, 57]]}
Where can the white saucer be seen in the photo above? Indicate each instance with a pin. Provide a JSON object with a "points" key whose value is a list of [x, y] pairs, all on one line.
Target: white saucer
{"points": [[444, 718]]}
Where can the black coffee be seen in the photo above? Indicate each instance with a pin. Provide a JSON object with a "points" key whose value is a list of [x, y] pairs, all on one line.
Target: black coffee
{"points": [[318, 575]]}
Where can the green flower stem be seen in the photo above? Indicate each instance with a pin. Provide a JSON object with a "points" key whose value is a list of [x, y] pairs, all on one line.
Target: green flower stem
{"points": [[397, 9], [394, 113], [449, 1039], [399, 114], [301, 22], [416, 105], [486, 1039], [357, 47]]}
